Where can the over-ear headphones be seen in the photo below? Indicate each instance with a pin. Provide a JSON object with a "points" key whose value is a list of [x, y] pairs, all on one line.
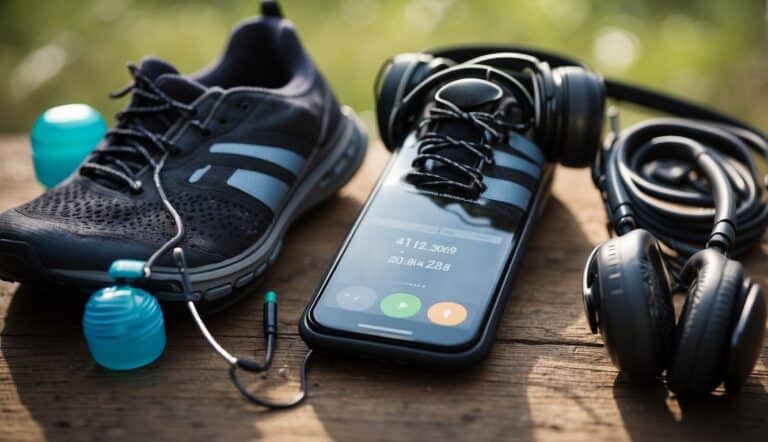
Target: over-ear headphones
{"points": [[627, 283], [657, 180], [567, 102], [573, 95]]}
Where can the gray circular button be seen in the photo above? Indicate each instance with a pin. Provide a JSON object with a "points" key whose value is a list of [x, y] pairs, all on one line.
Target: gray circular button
{"points": [[356, 298]]}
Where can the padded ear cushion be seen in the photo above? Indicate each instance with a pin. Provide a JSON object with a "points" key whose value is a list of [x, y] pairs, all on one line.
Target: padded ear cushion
{"points": [[703, 332], [391, 86], [747, 336], [395, 80], [635, 313], [581, 112]]}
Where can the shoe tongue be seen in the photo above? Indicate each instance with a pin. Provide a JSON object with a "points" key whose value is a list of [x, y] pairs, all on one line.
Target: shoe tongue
{"points": [[168, 80], [469, 95], [180, 88], [153, 67]]}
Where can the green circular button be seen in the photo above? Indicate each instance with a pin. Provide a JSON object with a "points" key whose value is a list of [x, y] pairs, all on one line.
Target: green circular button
{"points": [[400, 305]]}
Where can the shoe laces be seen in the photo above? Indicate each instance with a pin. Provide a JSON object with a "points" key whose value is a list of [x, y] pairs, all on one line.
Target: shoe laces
{"points": [[131, 146], [431, 144]]}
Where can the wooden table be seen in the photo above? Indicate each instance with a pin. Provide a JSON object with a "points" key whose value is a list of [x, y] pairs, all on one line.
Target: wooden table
{"points": [[546, 378]]}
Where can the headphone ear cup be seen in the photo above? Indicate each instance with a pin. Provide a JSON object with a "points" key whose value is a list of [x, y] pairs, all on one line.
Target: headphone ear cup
{"points": [[635, 312], [578, 115], [702, 335], [747, 336], [391, 81], [395, 80]]}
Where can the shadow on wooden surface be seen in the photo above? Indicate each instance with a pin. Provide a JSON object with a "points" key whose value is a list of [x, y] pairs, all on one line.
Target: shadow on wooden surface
{"points": [[546, 376], [649, 413], [185, 394], [487, 402], [64, 390]]}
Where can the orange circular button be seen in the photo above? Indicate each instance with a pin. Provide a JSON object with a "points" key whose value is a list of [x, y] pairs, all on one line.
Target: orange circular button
{"points": [[447, 313]]}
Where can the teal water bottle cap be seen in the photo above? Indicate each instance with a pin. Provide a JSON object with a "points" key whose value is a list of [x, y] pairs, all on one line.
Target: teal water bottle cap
{"points": [[123, 324], [61, 138]]}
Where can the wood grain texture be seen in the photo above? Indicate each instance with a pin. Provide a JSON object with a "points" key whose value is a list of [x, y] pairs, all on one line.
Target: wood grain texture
{"points": [[546, 378]]}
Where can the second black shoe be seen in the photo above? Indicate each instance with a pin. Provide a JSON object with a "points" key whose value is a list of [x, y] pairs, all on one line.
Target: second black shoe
{"points": [[248, 145]]}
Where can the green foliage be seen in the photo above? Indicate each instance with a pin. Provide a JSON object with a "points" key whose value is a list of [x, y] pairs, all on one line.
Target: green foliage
{"points": [[76, 50]]}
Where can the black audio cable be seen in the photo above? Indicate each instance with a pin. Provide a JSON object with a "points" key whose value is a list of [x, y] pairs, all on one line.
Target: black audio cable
{"points": [[270, 312], [654, 172], [242, 363]]}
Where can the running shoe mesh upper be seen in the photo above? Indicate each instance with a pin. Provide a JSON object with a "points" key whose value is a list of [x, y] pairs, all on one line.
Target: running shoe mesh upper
{"points": [[226, 224]]}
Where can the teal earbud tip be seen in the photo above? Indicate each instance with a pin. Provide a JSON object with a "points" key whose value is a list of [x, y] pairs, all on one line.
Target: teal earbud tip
{"points": [[123, 325], [127, 269], [270, 297], [61, 138]]}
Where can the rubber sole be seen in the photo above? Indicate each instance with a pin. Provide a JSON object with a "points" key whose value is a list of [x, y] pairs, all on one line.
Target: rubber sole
{"points": [[217, 283]]}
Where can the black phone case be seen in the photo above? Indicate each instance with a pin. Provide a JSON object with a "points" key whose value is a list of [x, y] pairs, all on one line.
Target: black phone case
{"points": [[322, 341]]}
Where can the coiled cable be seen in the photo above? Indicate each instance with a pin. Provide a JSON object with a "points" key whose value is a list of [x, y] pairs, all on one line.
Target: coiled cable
{"points": [[651, 177]]}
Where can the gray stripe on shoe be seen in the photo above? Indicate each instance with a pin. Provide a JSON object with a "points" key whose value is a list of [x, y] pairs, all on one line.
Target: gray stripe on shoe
{"points": [[284, 158], [265, 188]]}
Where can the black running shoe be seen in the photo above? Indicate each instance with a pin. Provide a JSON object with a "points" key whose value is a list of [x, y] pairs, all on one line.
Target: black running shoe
{"points": [[249, 144]]}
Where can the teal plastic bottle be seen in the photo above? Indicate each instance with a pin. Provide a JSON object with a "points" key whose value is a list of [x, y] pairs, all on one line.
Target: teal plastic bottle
{"points": [[61, 138], [123, 324]]}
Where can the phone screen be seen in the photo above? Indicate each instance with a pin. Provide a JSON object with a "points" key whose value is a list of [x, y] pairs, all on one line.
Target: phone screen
{"points": [[419, 267]]}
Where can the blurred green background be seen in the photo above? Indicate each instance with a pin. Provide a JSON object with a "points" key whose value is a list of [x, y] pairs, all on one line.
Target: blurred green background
{"points": [[54, 52]]}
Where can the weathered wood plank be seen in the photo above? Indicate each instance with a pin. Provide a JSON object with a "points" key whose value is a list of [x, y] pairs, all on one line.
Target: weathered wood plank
{"points": [[547, 377]]}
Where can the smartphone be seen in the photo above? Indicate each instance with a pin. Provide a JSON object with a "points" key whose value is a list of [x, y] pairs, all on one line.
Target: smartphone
{"points": [[423, 276]]}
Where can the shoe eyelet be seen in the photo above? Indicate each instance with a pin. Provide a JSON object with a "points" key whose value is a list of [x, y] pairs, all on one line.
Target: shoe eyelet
{"points": [[244, 106], [223, 121]]}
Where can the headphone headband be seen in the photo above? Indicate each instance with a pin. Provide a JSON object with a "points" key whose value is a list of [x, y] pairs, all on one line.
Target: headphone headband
{"points": [[479, 71], [618, 90], [513, 61], [461, 54]]}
